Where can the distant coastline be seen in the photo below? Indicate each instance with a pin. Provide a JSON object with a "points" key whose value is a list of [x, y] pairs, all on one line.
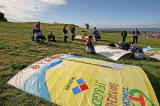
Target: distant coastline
{"points": [[129, 29]]}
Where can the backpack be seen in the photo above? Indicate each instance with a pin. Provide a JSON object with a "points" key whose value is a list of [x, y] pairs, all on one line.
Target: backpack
{"points": [[139, 54], [125, 46], [112, 45]]}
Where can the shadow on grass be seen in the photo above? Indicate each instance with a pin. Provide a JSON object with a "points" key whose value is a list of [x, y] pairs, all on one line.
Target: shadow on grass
{"points": [[106, 41], [155, 81], [79, 43], [130, 56], [50, 44], [19, 65]]}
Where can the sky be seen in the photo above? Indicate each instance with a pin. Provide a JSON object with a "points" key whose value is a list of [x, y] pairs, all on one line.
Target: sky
{"points": [[98, 13]]}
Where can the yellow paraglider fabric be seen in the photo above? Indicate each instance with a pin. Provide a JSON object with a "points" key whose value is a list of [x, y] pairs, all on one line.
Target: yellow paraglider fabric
{"points": [[77, 81]]}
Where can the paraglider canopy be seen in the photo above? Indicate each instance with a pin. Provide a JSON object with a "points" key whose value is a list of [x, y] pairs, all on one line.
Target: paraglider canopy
{"points": [[69, 80]]}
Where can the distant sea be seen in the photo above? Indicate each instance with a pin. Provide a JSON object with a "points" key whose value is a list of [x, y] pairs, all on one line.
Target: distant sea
{"points": [[129, 29]]}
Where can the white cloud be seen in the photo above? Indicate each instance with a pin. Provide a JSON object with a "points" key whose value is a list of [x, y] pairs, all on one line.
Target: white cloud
{"points": [[56, 2], [20, 10]]}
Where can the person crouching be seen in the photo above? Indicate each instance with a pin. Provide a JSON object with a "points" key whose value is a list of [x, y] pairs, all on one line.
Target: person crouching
{"points": [[138, 52], [90, 46], [51, 37]]}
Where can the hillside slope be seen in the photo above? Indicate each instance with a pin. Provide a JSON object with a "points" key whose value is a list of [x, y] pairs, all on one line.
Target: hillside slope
{"points": [[17, 51]]}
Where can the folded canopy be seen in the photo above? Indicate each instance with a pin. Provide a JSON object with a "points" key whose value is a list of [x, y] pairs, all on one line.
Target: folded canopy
{"points": [[152, 52], [85, 38], [69, 80], [112, 53]]}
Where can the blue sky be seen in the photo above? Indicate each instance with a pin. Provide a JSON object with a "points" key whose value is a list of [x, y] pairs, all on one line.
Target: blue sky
{"points": [[100, 13]]}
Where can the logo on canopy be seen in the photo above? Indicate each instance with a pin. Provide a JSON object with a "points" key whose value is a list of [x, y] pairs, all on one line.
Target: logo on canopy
{"points": [[82, 86]]}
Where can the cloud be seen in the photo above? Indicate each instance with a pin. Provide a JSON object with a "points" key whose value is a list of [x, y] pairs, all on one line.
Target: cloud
{"points": [[22, 10], [1, 6], [55, 2]]}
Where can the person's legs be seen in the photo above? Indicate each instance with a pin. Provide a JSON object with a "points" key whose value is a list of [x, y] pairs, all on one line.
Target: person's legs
{"points": [[53, 39], [73, 38], [73, 35], [96, 38], [65, 38], [48, 39], [93, 50], [42, 38], [37, 38], [133, 39], [124, 38], [136, 39], [87, 48], [32, 37]]}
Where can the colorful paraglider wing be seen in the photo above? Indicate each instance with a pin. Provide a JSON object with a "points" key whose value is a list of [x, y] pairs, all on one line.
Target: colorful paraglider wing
{"points": [[152, 52], [77, 81], [109, 52], [85, 38]]}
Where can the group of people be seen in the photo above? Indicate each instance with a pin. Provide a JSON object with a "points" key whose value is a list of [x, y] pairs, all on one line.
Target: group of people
{"points": [[89, 44], [38, 35], [135, 33], [135, 48], [90, 47], [65, 32]]}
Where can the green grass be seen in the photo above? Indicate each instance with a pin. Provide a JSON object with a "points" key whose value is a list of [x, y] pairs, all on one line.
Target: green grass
{"points": [[17, 51]]}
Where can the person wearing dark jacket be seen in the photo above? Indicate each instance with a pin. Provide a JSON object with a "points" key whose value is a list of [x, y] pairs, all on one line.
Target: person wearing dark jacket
{"points": [[72, 29], [124, 35], [90, 46], [35, 31], [138, 52], [136, 33], [33, 35], [98, 36], [37, 27], [65, 32], [95, 33], [51, 37], [124, 46]]}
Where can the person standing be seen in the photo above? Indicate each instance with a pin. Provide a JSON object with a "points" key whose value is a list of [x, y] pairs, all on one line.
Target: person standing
{"points": [[37, 27], [124, 35], [95, 33], [136, 33], [35, 31], [72, 29], [65, 33]]}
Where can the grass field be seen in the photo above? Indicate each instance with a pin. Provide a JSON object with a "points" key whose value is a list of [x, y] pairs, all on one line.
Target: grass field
{"points": [[17, 51]]}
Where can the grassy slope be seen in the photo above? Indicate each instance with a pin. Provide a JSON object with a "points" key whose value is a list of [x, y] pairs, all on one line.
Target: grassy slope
{"points": [[17, 51]]}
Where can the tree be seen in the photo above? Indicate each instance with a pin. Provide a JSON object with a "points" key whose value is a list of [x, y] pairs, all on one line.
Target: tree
{"points": [[87, 26], [2, 17]]}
